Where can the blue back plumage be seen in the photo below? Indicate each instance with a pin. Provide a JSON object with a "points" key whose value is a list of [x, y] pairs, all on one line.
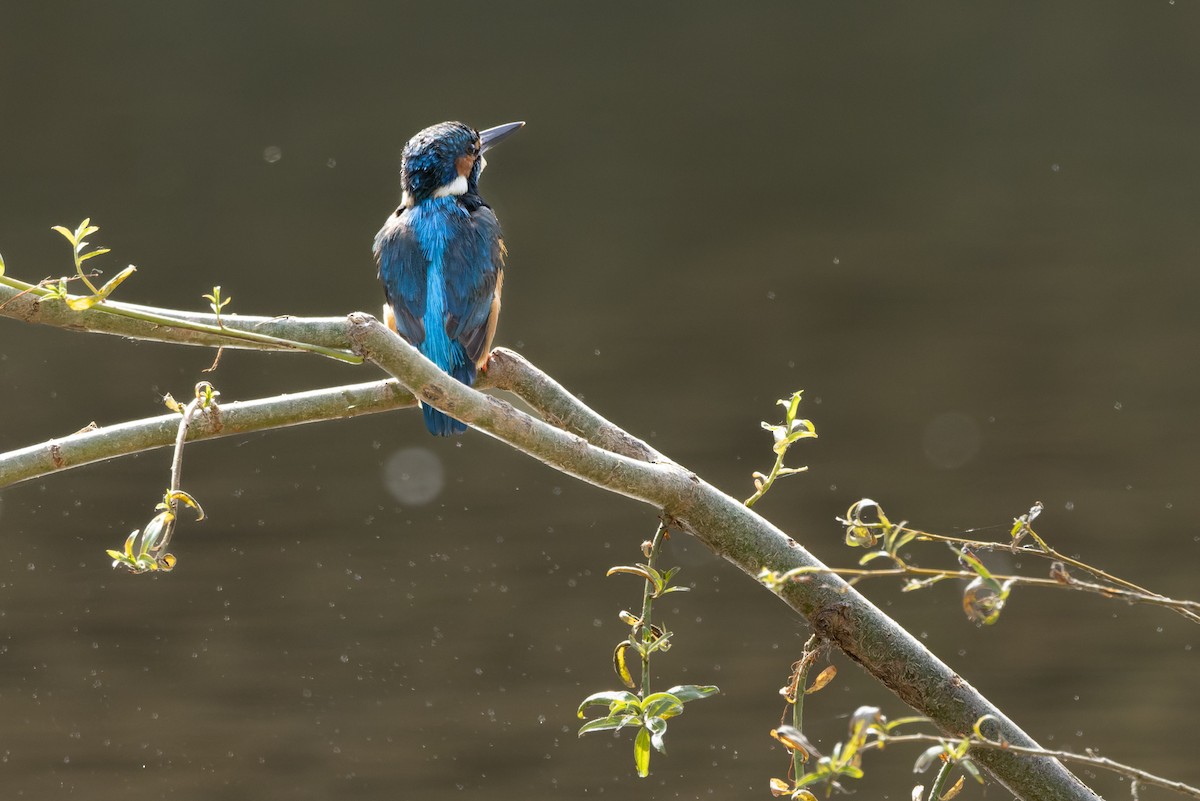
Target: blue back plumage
{"points": [[441, 258]]}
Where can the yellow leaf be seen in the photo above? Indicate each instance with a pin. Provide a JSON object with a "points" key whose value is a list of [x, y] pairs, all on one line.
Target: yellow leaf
{"points": [[621, 666], [821, 680], [187, 500], [953, 791], [96, 252], [133, 535], [794, 739], [116, 280], [633, 571], [69, 236], [84, 303], [88, 301]]}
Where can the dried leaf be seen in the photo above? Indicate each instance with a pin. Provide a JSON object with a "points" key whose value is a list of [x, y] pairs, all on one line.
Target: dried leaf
{"points": [[823, 678]]}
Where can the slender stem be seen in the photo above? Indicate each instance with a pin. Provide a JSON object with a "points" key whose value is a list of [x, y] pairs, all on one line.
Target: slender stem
{"points": [[647, 604], [799, 680], [1105, 763], [82, 274], [1183, 607], [766, 482], [1044, 551], [189, 411], [935, 790]]}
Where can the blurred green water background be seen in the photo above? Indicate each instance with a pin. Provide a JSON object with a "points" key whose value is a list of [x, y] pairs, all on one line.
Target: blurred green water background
{"points": [[967, 231]]}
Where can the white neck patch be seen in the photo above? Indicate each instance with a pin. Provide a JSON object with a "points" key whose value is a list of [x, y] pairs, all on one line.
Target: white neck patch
{"points": [[456, 187]]}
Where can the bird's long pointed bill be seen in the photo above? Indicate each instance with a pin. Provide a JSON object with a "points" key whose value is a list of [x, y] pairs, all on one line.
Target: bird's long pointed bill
{"points": [[494, 136]]}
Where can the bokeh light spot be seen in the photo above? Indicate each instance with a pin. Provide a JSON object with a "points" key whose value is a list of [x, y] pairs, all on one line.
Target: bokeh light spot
{"points": [[414, 476]]}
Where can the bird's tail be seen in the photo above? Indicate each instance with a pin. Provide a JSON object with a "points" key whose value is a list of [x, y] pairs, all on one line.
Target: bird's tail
{"points": [[443, 425]]}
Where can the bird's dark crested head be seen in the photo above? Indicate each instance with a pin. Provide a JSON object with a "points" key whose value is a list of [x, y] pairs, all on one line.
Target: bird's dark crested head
{"points": [[446, 159], [440, 160]]}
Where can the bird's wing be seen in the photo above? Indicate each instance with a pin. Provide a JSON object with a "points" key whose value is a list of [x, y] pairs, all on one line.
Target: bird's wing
{"points": [[403, 269], [473, 295]]}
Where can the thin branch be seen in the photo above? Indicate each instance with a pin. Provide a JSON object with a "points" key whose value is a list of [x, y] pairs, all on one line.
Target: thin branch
{"points": [[1136, 774], [106, 442], [1184, 607], [508, 370]]}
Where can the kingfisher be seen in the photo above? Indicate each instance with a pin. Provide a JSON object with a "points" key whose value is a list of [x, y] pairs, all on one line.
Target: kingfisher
{"points": [[441, 255]]}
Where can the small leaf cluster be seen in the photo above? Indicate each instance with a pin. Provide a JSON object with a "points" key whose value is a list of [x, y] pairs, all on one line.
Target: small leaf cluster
{"points": [[867, 526], [645, 710], [658, 580], [789, 433], [984, 597], [869, 729], [217, 303], [649, 715], [145, 550], [81, 254], [644, 639], [864, 532]]}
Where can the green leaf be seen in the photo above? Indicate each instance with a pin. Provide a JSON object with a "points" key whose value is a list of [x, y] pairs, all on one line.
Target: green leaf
{"points": [[609, 723], [129, 541], [70, 237], [644, 571], [1, 265], [88, 301], [658, 729], [973, 562], [614, 699], [904, 539], [153, 532], [693, 692], [187, 500], [641, 752], [662, 705], [874, 555], [984, 599], [96, 252], [969, 767], [927, 757], [631, 570]]}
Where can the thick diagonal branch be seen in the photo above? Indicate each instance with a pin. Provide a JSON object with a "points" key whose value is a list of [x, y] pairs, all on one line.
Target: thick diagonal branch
{"points": [[600, 453], [833, 608]]}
